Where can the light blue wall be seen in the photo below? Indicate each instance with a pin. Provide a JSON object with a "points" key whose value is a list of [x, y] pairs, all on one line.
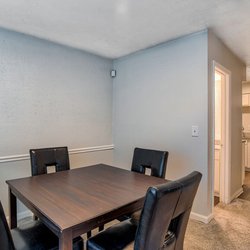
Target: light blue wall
{"points": [[158, 94], [51, 95]]}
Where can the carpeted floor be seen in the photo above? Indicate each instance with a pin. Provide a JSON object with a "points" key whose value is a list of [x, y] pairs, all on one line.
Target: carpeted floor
{"points": [[228, 230], [246, 187]]}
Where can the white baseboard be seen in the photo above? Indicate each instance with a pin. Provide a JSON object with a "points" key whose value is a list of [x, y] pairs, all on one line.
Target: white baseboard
{"points": [[201, 218], [22, 215], [207, 219], [217, 193], [236, 194]]}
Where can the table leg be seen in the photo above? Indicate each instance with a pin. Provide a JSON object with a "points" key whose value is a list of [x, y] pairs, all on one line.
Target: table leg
{"points": [[13, 210], [65, 240]]}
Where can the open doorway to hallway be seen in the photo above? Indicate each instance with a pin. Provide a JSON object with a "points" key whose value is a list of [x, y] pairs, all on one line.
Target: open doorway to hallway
{"points": [[221, 135], [246, 140], [218, 128]]}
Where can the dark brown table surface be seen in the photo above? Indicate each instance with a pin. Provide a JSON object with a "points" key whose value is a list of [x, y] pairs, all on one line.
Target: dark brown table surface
{"points": [[73, 202]]}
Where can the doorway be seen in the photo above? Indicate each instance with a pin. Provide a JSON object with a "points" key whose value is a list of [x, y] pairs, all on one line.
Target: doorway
{"points": [[221, 135]]}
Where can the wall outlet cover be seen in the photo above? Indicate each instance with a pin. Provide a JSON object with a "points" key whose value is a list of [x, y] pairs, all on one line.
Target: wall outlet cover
{"points": [[195, 131]]}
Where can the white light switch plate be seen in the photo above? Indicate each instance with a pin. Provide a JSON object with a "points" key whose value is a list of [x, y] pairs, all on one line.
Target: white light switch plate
{"points": [[195, 131]]}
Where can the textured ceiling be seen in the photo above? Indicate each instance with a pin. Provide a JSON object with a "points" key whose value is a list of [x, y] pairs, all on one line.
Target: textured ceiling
{"points": [[114, 28]]}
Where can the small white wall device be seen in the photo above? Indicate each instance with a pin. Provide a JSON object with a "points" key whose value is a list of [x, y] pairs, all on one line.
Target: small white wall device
{"points": [[113, 73], [195, 131]]}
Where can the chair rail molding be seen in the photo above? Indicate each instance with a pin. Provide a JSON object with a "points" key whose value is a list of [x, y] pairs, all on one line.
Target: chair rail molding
{"points": [[24, 157]]}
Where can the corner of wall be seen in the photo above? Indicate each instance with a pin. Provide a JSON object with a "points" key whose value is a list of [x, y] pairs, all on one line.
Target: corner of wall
{"points": [[201, 218]]}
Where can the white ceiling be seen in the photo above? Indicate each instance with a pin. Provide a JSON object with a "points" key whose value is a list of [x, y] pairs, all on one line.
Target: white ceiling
{"points": [[113, 28]]}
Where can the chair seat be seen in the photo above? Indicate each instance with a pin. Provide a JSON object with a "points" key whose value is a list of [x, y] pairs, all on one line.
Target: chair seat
{"points": [[36, 236], [116, 237], [121, 236]]}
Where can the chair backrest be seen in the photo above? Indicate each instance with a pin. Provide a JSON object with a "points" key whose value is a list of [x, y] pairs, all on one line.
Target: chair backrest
{"points": [[43, 157], [6, 241], [148, 158], [181, 215], [165, 212]]}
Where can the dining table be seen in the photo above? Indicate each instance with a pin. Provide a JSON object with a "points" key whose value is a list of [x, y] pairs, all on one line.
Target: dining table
{"points": [[73, 202]]}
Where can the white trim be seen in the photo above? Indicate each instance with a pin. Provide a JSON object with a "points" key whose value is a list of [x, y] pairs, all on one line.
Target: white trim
{"points": [[217, 194], [23, 157], [21, 215], [9, 158], [202, 218], [91, 149], [24, 214], [207, 219], [236, 194]]}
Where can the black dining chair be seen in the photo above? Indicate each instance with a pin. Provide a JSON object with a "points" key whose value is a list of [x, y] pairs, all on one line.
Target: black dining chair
{"points": [[163, 220], [143, 159], [154, 160], [43, 158], [30, 235]]}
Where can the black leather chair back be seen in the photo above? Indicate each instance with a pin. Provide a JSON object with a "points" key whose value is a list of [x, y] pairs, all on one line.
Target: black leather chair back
{"points": [[147, 158], [44, 157], [181, 215], [6, 241], [166, 211], [162, 223], [156, 216]]}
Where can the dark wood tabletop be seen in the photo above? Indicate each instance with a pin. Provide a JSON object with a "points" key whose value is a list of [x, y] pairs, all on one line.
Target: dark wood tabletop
{"points": [[73, 202]]}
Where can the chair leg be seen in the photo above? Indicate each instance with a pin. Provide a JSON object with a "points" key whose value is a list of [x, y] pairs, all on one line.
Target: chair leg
{"points": [[101, 228], [89, 234]]}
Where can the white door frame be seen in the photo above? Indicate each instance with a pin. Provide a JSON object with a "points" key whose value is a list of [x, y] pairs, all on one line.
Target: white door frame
{"points": [[225, 168]]}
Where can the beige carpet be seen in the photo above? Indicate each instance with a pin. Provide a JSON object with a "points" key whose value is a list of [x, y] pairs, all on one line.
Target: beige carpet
{"points": [[246, 187], [230, 229]]}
